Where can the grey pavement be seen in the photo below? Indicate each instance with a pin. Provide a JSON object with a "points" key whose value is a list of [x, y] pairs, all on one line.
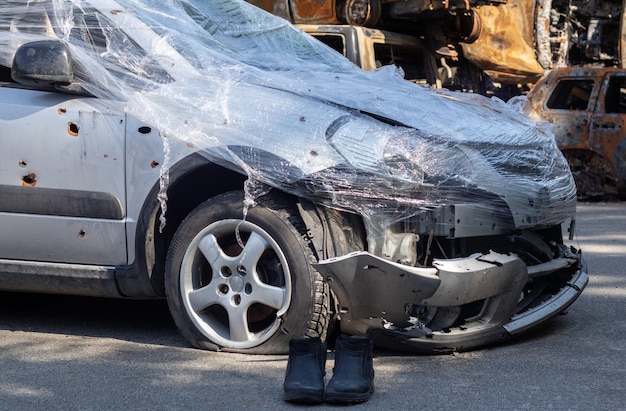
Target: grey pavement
{"points": [[69, 353]]}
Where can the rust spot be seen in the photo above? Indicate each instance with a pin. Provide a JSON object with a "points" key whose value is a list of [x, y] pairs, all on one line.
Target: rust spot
{"points": [[22, 164], [61, 110], [322, 11], [154, 164], [72, 129], [106, 156], [29, 180], [115, 12], [81, 233]]}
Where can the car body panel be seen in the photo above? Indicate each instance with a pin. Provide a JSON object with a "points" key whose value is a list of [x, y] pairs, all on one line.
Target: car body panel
{"points": [[83, 148], [585, 105], [452, 282], [371, 49]]}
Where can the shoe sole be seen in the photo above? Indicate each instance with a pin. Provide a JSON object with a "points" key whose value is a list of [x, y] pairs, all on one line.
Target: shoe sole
{"points": [[304, 397], [348, 398]]}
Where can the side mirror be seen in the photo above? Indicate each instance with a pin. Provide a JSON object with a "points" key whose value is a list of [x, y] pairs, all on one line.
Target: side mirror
{"points": [[43, 64]]}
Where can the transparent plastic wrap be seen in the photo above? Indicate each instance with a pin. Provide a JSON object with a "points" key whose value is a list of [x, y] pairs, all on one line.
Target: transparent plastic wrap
{"points": [[252, 92]]}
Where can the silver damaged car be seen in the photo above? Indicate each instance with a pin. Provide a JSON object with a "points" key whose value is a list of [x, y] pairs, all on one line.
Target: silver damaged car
{"points": [[206, 152]]}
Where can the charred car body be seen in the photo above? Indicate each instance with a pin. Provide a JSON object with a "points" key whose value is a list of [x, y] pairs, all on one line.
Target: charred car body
{"points": [[212, 154], [587, 106], [500, 47], [371, 49]]}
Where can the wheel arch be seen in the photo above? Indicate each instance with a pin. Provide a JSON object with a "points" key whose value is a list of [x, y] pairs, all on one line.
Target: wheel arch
{"points": [[195, 179], [191, 181], [332, 232]]}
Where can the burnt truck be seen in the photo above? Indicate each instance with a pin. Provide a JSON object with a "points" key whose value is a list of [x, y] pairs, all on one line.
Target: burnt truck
{"points": [[499, 47]]}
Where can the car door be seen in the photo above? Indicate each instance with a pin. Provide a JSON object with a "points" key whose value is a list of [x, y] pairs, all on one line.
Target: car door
{"points": [[569, 107], [62, 178], [607, 134]]}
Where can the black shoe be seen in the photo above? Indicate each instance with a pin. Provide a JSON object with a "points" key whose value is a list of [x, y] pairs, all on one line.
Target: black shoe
{"points": [[353, 374], [304, 379]]}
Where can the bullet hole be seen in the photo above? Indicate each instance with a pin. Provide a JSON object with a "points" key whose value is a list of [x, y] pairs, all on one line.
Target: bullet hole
{"points": [[29, 180], [81, 233], [313, 153], [302, 119], [154, 164], [72, 129], [22, 164], [61, 110], [106, 156], [144, 130]]}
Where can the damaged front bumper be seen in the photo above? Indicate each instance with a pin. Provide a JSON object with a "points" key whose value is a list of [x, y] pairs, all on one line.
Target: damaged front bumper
{"points": [[423, 310]]}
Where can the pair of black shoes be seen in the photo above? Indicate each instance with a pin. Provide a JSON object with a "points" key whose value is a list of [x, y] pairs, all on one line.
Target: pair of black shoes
{"points": [[353, 373]]}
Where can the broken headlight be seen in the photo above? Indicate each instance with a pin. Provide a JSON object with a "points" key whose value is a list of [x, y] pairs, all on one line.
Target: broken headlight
{"points": [[404, 154]]}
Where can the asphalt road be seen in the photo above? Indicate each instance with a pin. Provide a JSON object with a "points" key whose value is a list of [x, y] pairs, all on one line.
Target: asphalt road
{"points": [[67, 353]]}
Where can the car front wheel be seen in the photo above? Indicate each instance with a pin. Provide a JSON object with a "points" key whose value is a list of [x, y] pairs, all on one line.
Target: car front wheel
{"points": [[244, 284]]}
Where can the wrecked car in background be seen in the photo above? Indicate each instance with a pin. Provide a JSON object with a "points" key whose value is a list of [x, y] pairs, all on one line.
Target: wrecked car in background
{"points": [[489, 47], [212, 154], [371, 49], [587, 106], [521, 39]]}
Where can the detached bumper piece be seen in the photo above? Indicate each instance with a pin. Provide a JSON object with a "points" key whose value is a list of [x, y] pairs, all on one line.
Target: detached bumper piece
{"points": [[422, 310]]}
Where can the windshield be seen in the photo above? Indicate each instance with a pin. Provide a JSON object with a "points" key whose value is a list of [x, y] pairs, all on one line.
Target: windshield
{"points": [[209, 35]]}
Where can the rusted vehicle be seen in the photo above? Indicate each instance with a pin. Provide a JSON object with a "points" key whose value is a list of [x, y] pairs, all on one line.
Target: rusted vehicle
{"points": [[463, 21], [520, 39], [587, 106], [372, 48], [358, 12], [490, 47]]}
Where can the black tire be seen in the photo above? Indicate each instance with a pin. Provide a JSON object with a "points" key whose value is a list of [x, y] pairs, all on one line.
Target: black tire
{"points": [[252, 302], [363, 12]]}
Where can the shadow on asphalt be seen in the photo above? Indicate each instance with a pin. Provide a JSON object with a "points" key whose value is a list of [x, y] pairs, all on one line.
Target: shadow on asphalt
{"points": [[141, 321], [144, 321]]}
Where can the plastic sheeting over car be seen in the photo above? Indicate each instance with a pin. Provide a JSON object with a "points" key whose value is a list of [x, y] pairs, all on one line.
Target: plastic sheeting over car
{"points": [[254, 93]]}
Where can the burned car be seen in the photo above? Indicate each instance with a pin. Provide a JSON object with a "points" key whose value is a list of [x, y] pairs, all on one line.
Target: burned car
{"points": [[212, 154], [495, 48], [587, 106]]}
